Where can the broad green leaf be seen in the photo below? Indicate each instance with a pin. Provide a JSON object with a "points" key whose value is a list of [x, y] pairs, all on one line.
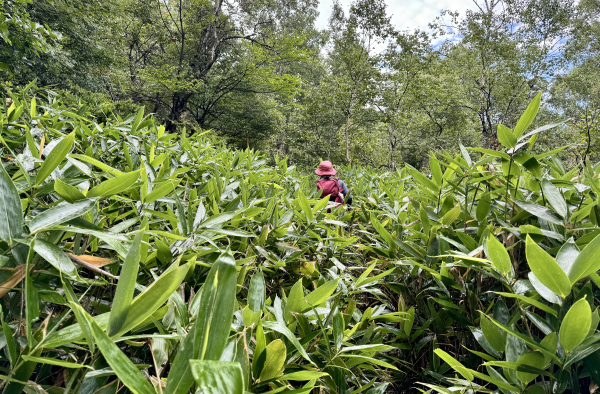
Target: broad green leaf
{"points": [[567, 255], [259, 356], [556, 200], [546, 269], [160, 191], [587, 262], [495, 338], [125, 287], [217, 219], [118, 361], [11, 211], [55, 256], [422, 179], [60, 214], [273, 367], [451, 215], [32, 108], [54, 361], [530, 301], [68, 192], [114, 185], [152, 298], [575, 325], [72, 333], [302, 375], [455, 364], [137, 120], [528, 116], [208, 337], [276, 326], [256, 292], [506, 137], [322, 293], [483, 207], [295, 302], [304, 206], [499, 255], [436, 170], [497, 382], [465, 154], [81, 321], [533, 359], [54, 158], [338, 328], [540, 212], [218, 377], [90, 160]]}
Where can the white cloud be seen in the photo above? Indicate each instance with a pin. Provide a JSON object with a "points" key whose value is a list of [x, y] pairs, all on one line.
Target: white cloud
{"points": [[407, 14]]}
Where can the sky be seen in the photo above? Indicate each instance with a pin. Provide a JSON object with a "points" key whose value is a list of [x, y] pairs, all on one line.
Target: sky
{"points": [[406, 14]]}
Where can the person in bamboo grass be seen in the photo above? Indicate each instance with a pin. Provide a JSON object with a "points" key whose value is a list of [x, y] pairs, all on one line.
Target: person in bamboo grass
{"points": [[336, 189]]}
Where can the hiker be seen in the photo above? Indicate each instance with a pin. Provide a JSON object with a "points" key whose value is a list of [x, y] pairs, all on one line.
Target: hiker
{"points": [[330, 185]]}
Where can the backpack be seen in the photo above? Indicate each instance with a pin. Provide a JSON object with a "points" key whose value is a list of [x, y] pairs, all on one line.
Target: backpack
{"points": [[331, 187]]}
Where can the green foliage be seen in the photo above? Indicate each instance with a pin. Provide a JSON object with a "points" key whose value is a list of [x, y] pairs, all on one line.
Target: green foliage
{"points": [[169, 263]]}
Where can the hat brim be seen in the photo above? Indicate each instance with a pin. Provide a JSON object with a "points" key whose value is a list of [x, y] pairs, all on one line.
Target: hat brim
{"points": [[330, 172]]}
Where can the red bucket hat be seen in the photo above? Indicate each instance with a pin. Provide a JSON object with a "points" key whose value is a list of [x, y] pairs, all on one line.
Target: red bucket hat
{"points": [[325, 168]]}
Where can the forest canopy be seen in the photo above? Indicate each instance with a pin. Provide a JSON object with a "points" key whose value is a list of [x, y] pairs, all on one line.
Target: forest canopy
{"points": [[261, 74]]}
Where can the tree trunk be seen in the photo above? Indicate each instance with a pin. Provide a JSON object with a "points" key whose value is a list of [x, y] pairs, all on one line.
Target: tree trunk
{"points": [[348, 117], [392, 147]]}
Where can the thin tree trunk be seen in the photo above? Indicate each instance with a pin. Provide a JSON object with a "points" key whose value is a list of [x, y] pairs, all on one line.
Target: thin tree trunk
{"points": [[347, 133]]}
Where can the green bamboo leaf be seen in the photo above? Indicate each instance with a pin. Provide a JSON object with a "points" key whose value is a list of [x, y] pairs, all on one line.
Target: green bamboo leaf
{"points": [[125, 287], [90, 160], [114, 185], [465, 154], [31, 144], [483, 207], [280, 328], [436, 169], [208, 337], [160, 191], [256, 292], [60, 214], [533, 359], [499, 255], [118, 361], [575, 325], [55, 256], [54, 361], [506, 137], [10, 344], [304, 206], [338, 328], [137, 120], [546, 269], [422, 179], [530, 301], [276, 354], [295, 302], [54, 158], [587, 262], [218, 377], [451, 215], [322, 293], [556, 200], [495, 338], [81, 321], [455, 364], [528, 116], [145, 304], [69, 193], [11, 211]]}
